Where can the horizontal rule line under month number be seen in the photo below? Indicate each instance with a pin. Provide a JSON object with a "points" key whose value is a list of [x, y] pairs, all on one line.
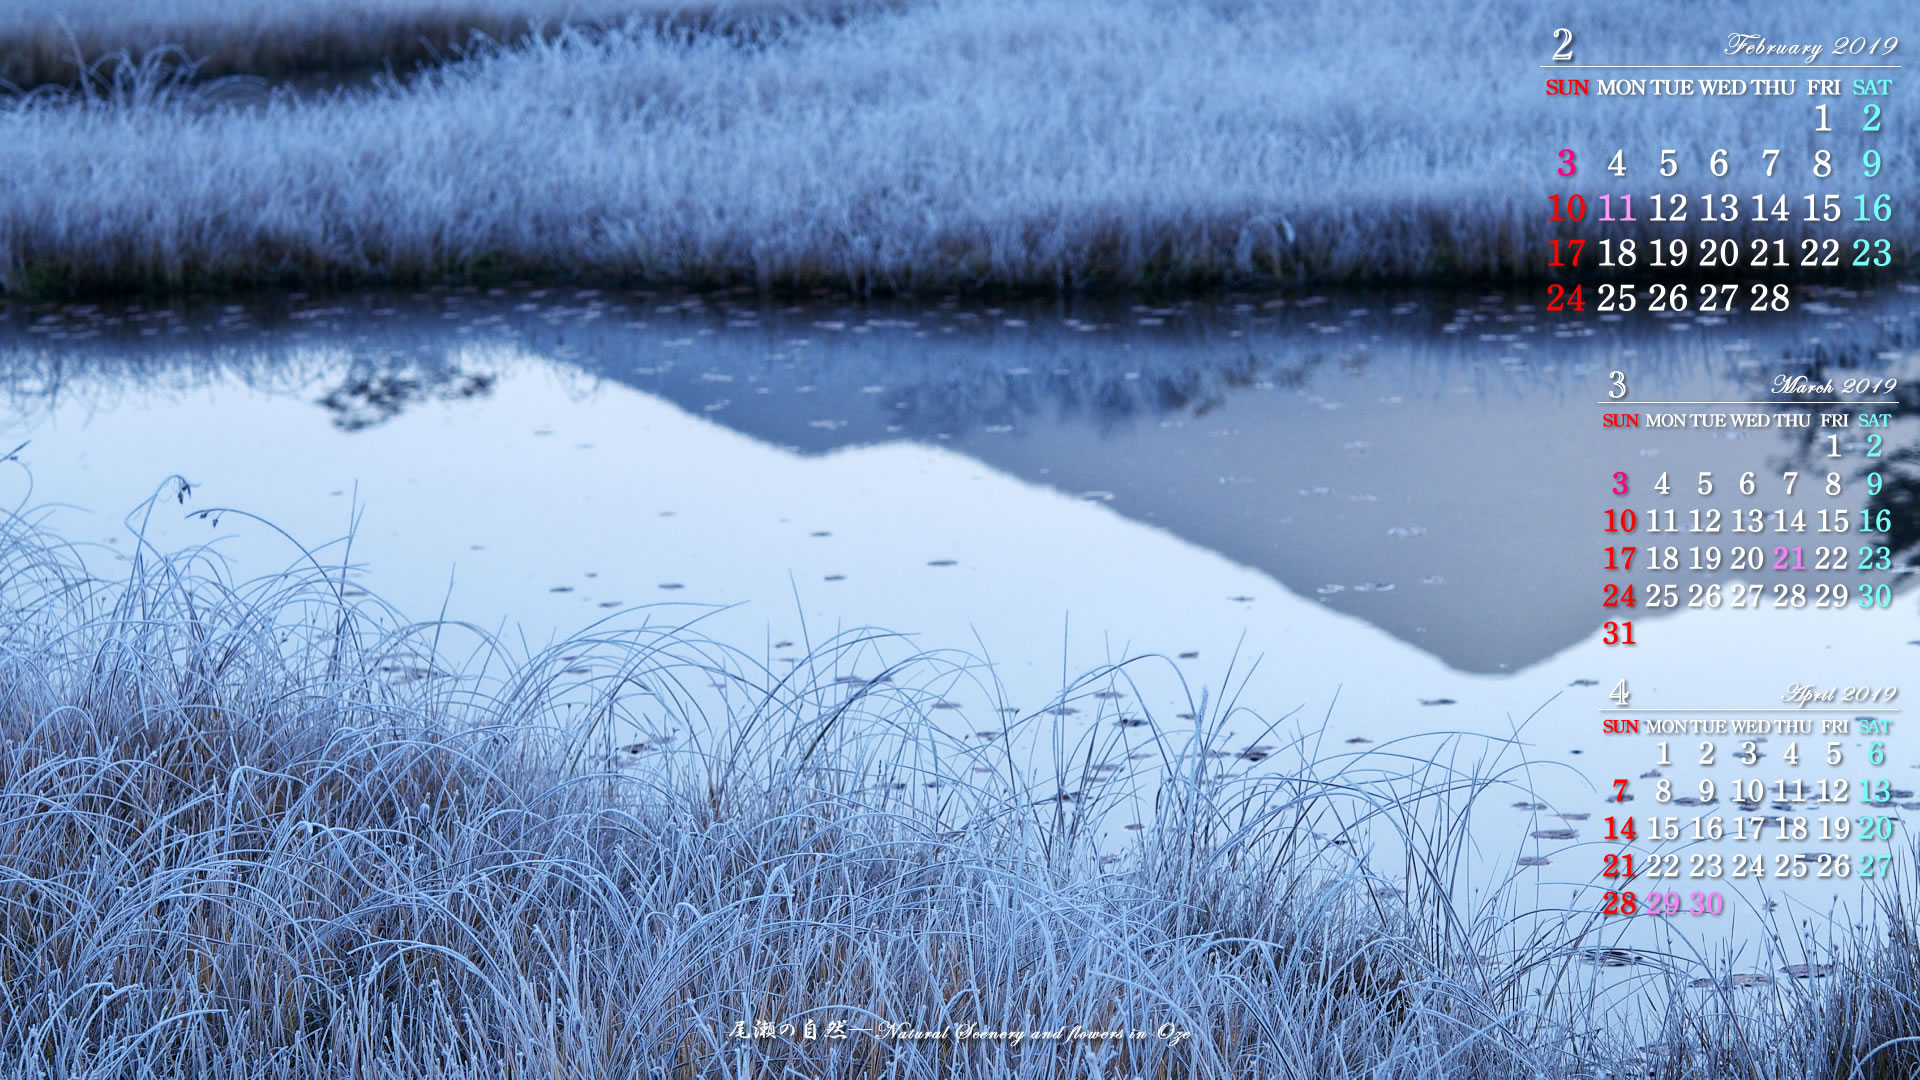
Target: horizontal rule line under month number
{"points": [[1807, 404], [1691, 67], [1789, 709]]}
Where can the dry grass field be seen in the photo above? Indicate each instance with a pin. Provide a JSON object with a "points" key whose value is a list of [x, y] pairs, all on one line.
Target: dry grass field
{"points": [[991, 144], [269, 829]]}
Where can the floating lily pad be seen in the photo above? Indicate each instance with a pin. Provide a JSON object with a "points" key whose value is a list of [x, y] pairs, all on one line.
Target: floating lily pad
{"points": [[1808, 971], [1607, 957]]}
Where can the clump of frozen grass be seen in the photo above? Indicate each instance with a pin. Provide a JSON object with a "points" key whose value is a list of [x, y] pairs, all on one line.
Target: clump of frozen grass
{"points": [[260, 829], [957, 145], [40, 43]]}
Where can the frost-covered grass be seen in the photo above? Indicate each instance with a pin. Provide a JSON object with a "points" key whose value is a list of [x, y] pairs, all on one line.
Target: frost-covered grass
{"points": [[267, 829], [969, 144], [45, 43]]}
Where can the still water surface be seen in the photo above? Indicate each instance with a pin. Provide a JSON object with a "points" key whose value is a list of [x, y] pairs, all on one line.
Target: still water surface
{"points": [[1360, 520]]}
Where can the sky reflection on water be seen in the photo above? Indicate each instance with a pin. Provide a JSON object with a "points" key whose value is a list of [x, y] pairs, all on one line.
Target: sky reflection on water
{"points": [[1392, 505]]}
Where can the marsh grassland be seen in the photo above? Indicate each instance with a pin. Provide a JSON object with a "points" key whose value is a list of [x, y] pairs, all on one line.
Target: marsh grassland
{"points": [[975, 145], [270, 829]]}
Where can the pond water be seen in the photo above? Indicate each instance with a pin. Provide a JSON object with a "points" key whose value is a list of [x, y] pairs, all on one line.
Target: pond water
{"points": [[1363, 521]]}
